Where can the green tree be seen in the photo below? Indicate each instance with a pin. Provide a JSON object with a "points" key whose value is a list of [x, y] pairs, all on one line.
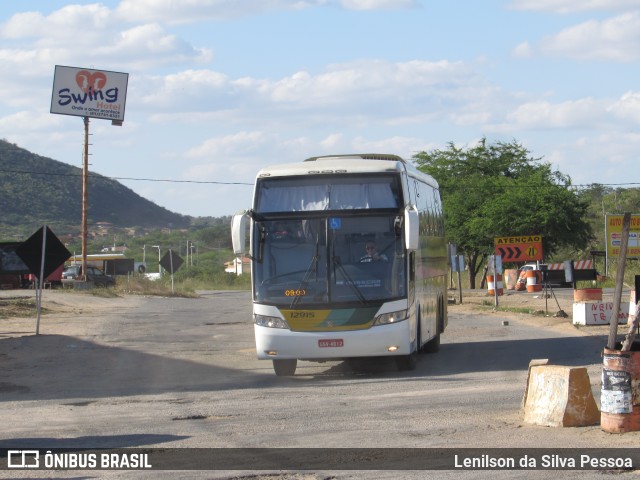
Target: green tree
{"points": [[622, 200], [499, 190]]}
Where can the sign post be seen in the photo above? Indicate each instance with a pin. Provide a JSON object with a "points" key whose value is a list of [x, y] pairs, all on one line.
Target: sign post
{"points": [[459, 260], [457, 265], [171, 262], [495, 267], [42, 253]]}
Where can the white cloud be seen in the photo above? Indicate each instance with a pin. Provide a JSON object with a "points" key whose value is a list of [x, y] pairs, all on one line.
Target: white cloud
{"points": [[43, 129], [378, 4], [398, 145], [332, 141], [627, 107], [523, 50], [239, 143], [87, 34], [238, 157], [147, 46], [615, 39], [27, 121], [543, 114], [73, 24], [571, 6], [186, 11], [585, 113], [611, 154], [393, 93]]}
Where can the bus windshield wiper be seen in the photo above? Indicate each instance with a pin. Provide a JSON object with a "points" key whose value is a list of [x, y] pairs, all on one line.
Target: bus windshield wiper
{"points": [[306, 278], [350, 282]]}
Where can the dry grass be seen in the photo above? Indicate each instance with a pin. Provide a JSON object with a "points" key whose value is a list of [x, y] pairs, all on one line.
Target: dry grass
{"points": [[18, 307], [144, 286]]}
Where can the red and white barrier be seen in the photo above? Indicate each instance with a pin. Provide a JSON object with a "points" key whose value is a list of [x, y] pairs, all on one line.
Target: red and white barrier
{"points": [[577, 265]]}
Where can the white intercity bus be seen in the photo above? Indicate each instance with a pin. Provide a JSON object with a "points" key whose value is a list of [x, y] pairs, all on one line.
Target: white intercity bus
{"points": [[348, 260]]}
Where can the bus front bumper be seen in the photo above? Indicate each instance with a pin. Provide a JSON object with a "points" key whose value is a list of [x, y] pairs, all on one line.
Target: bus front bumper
{"points": [[382, 340]]}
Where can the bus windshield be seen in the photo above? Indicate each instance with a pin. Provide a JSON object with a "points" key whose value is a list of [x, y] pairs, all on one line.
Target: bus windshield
{"points": [[319, 192], [351, 260]]}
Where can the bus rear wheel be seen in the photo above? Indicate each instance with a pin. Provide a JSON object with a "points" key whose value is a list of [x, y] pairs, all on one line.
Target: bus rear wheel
{"points": [[285, 368]]}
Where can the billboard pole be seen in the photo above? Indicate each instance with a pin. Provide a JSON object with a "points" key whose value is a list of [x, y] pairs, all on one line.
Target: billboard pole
{"points": [[606, 246], [85, 196], [40, 279], [85, 92]]}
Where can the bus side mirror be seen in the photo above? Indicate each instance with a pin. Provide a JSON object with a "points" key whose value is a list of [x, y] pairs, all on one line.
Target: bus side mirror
{"points": [[411, 228], [239, 232]]}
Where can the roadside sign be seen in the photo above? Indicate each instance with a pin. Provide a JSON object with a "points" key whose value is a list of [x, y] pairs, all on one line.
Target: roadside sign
{"points": [[31, 252], [525, 248], [495, 264], [85, 92], [457, 263], [42, 253], [613, 228], [171, 261]]}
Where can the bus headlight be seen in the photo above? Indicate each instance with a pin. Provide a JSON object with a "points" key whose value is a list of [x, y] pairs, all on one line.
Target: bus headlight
{"points": [[393, 317], [271, 322]]}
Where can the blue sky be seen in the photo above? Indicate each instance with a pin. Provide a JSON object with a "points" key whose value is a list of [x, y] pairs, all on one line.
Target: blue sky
{"points": [[220, 88]]}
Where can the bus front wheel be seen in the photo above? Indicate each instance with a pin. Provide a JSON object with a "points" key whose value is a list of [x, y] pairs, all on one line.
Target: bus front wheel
{"points": [[285, 368], [407, 362]]}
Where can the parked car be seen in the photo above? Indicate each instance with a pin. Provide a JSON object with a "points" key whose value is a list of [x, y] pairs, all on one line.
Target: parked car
{"points": [[528, 266], [73, 273]]}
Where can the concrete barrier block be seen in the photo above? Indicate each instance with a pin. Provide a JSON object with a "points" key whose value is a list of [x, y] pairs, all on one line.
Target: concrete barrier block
{"points": [[598, 313], [559, 396], [533, 363]]}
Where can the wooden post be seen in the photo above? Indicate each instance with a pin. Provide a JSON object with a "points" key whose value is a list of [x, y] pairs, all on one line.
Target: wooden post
{"points": [[622, 260], [459, 279], [495, 281]]}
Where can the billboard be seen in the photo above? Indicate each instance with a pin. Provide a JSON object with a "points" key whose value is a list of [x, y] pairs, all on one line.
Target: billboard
{"points": [[84, 92], [613, 229]]}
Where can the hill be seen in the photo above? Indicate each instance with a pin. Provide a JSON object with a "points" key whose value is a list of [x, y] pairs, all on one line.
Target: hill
{"points": [[37, 190]]}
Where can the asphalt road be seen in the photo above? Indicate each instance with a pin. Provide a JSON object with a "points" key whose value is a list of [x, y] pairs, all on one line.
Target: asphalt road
{"points": [[174, 372]]}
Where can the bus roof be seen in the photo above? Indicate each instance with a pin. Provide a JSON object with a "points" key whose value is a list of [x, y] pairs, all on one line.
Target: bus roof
{"points": [[359, 156], [344, 164]]}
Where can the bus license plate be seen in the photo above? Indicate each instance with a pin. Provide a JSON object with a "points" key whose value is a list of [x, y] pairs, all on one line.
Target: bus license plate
{"points": [[332, 342]]}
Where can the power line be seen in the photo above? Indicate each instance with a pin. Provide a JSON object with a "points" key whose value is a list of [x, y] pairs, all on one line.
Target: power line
{"points": [[214, 182], [53, 174]]}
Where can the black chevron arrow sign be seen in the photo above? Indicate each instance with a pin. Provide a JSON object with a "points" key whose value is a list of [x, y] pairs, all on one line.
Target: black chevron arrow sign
{"points": [[510, 253]]}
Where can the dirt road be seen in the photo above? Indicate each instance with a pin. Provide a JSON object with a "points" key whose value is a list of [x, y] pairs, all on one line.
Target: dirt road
{"points": [[173, 372]]}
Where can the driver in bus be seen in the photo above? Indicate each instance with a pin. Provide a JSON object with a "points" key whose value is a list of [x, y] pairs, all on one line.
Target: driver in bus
{"points": [[372, 254]]}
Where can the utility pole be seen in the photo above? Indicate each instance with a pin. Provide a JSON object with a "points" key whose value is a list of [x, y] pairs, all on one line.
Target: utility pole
{"points": [[85, 196]]}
